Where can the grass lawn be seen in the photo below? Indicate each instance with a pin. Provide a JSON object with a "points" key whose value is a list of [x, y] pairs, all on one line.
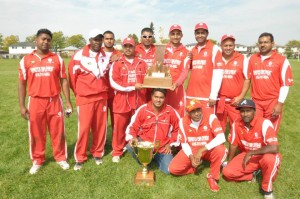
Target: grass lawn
{"points": [[116, 180]]}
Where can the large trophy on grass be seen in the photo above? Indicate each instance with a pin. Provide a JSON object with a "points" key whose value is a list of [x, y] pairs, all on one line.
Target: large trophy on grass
{"points": [[144, 152], [158, 75]]}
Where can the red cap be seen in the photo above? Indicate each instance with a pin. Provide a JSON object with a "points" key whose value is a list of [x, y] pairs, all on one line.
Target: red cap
{"points": [[227, 36], [175, 27], [194, 104], [128, 40], [201, 25]]}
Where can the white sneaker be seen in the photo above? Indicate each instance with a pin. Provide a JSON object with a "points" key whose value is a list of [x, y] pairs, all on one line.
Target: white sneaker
{"points": [[116, 159], [34, 169], [64, 165], [98, 160], [269, 196]]}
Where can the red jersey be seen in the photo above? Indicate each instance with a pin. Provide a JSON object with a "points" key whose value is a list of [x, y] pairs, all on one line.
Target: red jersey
{"points": [[88, 75], [123, 76], [235, 72], [42, 74], [209, 128], [147, 56], [260, 134], [151, 127], [205, 60], [269, 75], [178, 63]]}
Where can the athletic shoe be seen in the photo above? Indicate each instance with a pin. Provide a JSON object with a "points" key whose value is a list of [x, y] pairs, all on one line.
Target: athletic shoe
{"points": [[98, 160], [269, 196], [255, 174], [78, 166], [64, 165], [116, 159], [213, 185], [34, 169]]}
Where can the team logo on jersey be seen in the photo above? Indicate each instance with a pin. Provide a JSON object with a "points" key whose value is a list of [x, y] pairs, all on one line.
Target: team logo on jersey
{"points": [[190, 130], [270, 64], [256, 135], [235, 63], [59, 114], [50, 61], [205, 53], [148, 117], [180, 103], [32, 62], [205, 128], [104, 108]]}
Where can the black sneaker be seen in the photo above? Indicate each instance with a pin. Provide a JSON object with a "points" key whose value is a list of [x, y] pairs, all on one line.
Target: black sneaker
{"points": [[78, 166]]}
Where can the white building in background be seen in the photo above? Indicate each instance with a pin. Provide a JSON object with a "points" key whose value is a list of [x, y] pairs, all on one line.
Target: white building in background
{"points": [[21, 49]]}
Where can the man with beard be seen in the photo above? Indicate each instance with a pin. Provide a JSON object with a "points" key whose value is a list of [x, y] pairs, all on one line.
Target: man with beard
{"points": [[201, 138], [206, 70], [88, 70], [255, 138], [126, 77], [234, 84], [155, 121], [271, 77]]}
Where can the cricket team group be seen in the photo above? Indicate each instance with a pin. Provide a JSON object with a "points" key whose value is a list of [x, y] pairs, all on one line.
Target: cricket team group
{"points": [[191, 120]]}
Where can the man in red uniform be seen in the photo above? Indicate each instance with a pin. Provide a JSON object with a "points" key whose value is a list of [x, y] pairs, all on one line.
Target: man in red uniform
{"points": [[126, 77], [45, 74], [207, 70], [146, 50], [113, 55], [89, 82], [201, 138], [271, 77], [176, 60], [256, 139], [155, 121], [234, 84]]}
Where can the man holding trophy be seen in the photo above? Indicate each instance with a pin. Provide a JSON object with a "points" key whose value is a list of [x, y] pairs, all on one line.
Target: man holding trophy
{"points": [[201, 138], [155, 123]]}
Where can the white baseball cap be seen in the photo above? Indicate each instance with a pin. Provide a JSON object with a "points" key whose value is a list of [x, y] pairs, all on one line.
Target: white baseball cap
{"points": [[95, 32]]}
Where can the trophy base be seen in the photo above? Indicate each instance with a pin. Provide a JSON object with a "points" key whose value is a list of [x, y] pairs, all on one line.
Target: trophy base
{"points": [[147, 179], [157, 82]]}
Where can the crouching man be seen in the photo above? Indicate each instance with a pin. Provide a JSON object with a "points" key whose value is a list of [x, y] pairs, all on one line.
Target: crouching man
{"points": [[256, 140], [202, 138], [155, 121]]}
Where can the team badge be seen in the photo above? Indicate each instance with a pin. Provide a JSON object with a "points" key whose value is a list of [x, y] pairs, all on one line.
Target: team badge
{"points": [[205, 128], [50, 61], [32, 62], [180, 103], [148, 117], [235, 63], [205, 54], [256, 135], [190, 130], [270, 64]]}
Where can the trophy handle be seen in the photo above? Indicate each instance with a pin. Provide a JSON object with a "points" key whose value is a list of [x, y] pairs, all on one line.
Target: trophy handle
{"points": [[134, 146], [156, 146]]}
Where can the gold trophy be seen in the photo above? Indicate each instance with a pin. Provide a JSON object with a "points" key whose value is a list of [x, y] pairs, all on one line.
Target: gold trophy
{"points": [[145, 155]]}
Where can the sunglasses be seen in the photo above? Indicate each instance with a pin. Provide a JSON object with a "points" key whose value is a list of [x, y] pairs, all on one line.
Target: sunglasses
{"points": [[150, 36]]}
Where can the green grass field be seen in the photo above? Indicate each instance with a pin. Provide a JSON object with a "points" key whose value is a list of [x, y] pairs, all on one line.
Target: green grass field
{"points": [[116, 180]]}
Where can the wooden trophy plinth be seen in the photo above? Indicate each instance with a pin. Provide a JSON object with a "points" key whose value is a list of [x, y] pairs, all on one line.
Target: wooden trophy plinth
{"points": [[154, 82], [146, 179]]}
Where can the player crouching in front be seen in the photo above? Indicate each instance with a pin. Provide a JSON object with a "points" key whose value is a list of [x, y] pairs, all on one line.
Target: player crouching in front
{"points": [[201, 137], [256, 138]]}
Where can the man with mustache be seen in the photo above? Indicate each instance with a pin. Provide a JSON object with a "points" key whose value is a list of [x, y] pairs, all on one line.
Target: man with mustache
{"points": [[88, 78], [256, 141], [271, 77]]}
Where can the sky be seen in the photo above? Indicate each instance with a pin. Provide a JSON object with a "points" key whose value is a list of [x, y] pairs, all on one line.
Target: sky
{"points": [[245, 19]]}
